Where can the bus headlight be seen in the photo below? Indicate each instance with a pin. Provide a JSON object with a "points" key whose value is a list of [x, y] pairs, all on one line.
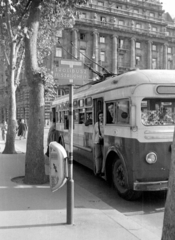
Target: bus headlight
{"points": [[151, 158]]}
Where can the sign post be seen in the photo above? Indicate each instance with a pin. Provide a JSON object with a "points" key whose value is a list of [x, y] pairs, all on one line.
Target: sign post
{"points": [[70, 73], [70, 181]]}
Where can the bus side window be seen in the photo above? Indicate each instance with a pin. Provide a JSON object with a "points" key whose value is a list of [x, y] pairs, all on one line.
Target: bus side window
{"points": [[110, 112], [97, 107], [66, 122], [81, 116], [57, 116], [53, 114], [88, 119], [76, 113], [62, 117], [123, 111]]}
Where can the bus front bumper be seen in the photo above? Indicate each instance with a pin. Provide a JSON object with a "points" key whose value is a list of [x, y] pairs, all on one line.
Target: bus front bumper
{"points": [[151, 186]]}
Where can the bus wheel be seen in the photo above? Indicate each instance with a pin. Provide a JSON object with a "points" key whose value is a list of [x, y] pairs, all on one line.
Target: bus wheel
{"points": [[120, 182]]}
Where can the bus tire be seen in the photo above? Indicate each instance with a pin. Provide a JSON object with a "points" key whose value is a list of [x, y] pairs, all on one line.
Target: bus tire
{"points": [[119, 179]]}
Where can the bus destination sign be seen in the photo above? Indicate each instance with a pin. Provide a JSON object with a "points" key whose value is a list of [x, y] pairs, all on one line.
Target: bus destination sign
{"points": [[70, 71]]}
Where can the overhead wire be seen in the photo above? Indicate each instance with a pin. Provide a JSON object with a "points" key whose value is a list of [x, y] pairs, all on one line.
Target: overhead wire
{"points": [[90, 68], [101, 76]]}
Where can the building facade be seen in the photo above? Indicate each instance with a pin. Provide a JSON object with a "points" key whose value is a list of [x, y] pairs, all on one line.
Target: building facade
{"points": [[116, 35]]}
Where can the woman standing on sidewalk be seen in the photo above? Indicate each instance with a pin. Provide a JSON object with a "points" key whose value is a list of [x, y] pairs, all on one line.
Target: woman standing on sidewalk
{"points": [[22, 129], [4, 130]]}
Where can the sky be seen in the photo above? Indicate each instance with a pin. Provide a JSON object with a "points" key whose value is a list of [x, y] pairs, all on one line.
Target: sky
{"points": [[169, 6]]}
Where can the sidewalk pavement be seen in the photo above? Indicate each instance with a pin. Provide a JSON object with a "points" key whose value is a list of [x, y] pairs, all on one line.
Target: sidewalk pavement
{"points": [[34, 212]]}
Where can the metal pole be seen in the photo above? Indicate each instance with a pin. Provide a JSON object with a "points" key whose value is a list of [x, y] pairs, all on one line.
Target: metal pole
{"points": [[70, 181]]}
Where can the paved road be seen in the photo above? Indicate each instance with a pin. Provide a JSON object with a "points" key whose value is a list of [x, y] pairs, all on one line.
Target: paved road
{"points": [[148, 210]]}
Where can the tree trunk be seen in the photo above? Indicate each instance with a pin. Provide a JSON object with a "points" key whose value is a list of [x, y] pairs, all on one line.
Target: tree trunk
{"points": [[169, 215], [34, 166], [11, 132]]}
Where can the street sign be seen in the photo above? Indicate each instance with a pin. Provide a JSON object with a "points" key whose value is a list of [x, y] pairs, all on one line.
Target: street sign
{"points": [[70, 71]]}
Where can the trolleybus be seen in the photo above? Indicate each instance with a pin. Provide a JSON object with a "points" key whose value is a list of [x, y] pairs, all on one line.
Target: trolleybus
{"points": [[137, 143]]}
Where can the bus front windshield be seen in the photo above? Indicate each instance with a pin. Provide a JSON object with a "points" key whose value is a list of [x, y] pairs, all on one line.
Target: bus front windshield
{"points": [[157, 111]]}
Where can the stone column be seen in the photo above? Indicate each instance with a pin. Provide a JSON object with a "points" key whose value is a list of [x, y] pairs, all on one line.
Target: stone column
{"points": [[165, 56], [75, 43], [149, 54], [114, 54], [133, 53], [95, 51]]}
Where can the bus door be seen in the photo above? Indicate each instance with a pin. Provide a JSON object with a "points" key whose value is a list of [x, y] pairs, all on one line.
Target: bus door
{"points": [[98, 106], [53, 114]]}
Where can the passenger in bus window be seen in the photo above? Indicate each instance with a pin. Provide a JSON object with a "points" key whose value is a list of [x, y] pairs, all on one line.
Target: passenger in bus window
{"points": [[89, 119], [157, 107], [144, 116], [110, 113], [81, 119], [99, 145], [167, 116]]}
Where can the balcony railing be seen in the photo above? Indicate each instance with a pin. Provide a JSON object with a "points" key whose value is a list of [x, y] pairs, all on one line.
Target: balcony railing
{"points": [[125, 28], [112, 9]]}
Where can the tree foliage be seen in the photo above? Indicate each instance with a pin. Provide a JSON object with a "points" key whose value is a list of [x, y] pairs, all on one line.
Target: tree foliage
{"points": [[12, 33], [12, 30]]}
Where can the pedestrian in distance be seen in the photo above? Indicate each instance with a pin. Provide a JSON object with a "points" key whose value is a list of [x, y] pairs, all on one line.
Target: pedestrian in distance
{"points": [[4, 130], [22, 128], [25, 131], [99, 145]]}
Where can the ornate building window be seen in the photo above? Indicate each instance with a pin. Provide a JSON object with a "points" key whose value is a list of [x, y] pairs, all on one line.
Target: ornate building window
{"points": [[154, 47], [121, 23], [100, 4], [154, 29], [138, 60], [82, 53], [121, 43], [169, 50], [59, 33], [102, 39], [102, 19], [136, 11], [82, 15], [138, 25], [167, 33], [169, 64], [102, 56], [58, 52], [121, 61], [118, 6], [154, 63], [138, 45], [82, 36]]}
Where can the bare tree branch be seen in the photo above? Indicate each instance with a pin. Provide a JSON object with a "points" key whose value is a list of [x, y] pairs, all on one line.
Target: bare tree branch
{"points": [[17, 80], [9, 27], [18, 45], [23, 14]]}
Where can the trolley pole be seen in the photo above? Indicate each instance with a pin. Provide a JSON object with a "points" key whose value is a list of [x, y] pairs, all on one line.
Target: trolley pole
{"points": [[70, 181]]}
